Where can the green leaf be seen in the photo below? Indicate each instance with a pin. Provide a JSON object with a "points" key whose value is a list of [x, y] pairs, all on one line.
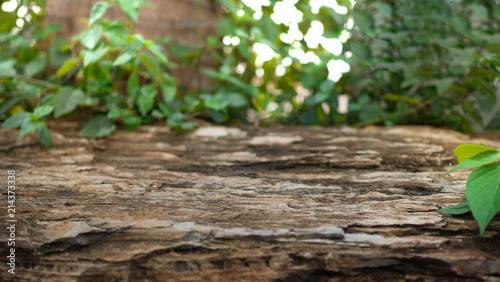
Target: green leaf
{"points": [[132, 122], [97, 127], [364, 22], [236, 100], [211, 73], [168, 92], [216, 116], [67, 99], [158, 52], [493, 48], [478, 160], [131, 8], [216, 105], [186, 126], [175, 120], [34, 67], [90, 57], [370, 112], [457, 209], [8, 103], [66, 67], [57, 56], [133, 85], [310, 117], [315, 99], [89, 101], [124, 58], [97, 11], [269, 28], [16, 120], [153, 68], [49, 29], [225, 26], [472, 111], [443, 85], [480, 11], [29, 126], [91, 37], [146, 99], [7, 68], [43, 111], [466, 151], [483, 193], [44, 136], [157, 114]]}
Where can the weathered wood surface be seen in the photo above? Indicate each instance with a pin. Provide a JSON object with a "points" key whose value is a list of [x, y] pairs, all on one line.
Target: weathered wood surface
{"points": [[244, 204]]}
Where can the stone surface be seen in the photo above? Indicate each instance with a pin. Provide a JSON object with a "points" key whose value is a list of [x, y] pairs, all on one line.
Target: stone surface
{"points": [[240, 204]]}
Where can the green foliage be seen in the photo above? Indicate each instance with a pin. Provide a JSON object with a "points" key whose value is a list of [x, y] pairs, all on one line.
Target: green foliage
{"points": [[483, 185], [31, 122], [263, 91], [86, 72], [435, 62], [461, 208], [425, 62]]}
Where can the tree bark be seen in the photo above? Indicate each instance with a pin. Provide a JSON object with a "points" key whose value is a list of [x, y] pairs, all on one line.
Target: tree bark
{"points": [[286, 203]]}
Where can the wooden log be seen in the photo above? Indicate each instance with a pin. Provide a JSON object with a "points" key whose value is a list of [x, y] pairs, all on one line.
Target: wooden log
{"points": [[243, 204]]}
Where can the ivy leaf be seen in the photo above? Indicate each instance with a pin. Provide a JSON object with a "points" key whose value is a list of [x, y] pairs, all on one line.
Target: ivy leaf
{"points": [[479, 160], [466, 151], [457, 209], [16, 120], [97, 11], [483, 194], [44, 136]]}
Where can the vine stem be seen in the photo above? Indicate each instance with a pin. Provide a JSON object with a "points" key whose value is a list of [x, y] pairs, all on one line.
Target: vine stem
{"points": [[37, 81], [199, 14], [403, 113]]}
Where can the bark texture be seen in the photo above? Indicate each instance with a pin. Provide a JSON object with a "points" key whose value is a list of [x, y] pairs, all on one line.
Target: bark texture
{"points": [[244, 204]]}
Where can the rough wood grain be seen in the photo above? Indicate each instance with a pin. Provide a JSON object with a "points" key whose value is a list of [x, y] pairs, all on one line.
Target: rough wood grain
{"points": [[244, 204]]}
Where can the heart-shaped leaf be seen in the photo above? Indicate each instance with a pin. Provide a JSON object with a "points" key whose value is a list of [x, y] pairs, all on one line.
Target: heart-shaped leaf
{"points": [[483, 194], [478, 160], [466, 151]]}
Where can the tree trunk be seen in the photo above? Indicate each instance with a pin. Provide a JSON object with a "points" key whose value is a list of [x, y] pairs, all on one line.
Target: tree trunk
{"points": [[243, 204]]}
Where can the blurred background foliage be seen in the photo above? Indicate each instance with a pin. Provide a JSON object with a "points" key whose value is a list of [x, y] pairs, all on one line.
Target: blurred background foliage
{"points": [[425, 62], [313, 62]]}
